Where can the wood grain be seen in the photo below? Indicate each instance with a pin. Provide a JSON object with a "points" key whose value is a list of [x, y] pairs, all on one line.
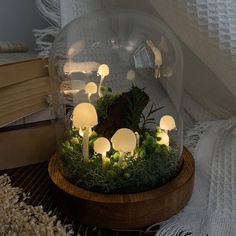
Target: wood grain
{"points": [[124, 210], [22, 99], [27, 145], [21, 71]]}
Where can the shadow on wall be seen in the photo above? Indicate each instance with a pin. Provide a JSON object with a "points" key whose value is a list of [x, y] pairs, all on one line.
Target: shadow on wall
{"points": [[18, 19]]}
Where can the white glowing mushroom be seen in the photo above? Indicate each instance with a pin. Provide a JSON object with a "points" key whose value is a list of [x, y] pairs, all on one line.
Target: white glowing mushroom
{"points": [[90, 88], [85, 117], [124, 141], [167, 123], [102, 146], [164, 138], [103, 71]]}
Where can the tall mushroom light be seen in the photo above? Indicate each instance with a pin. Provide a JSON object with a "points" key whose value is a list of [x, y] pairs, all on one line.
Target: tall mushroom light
{"points": [[90, 88], [85, 117], [124, 141], [103, 71]]}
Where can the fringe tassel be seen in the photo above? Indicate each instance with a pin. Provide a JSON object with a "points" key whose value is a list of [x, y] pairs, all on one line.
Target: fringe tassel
{"points": [[50, 11], [174, 230], [193, 135], [43, 45]]}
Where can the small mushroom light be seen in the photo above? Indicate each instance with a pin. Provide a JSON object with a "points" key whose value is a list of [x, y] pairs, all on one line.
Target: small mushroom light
{"points": [[90, 88], [102, 146], [85, 117], [164, 139], [167, 123], [124, 141], [103, 71]]}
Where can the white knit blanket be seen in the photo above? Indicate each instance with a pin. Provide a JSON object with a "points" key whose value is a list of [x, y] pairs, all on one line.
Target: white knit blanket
{"points": [[212, 208]]}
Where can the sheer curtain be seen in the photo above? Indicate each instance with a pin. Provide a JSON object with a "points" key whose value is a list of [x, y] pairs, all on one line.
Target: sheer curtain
{"points": [[208, 29]]}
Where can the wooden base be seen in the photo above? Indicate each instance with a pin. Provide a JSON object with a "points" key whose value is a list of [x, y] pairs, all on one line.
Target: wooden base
{"points": [[124, 210]]}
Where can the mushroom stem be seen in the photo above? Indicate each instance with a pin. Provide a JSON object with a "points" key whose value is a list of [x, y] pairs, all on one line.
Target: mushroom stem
{"points": [[85, 143], [100, 86], [137, 139], [89, 99], [165, 131], [122, 155], [104, 158]]}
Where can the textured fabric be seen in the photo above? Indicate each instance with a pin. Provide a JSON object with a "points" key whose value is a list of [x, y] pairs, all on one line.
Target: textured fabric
{"points": [[208, 29], [59, 13], [212, 208]]}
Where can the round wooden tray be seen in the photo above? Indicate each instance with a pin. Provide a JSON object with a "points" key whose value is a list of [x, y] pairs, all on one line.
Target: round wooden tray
{"points": [[124, 210]]}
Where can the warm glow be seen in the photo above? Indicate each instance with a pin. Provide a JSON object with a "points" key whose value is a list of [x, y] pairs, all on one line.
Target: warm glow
{"points": [[164, 138], [102, 145], [124, 140], [167, 123], [81, 132], [137, 139], [91, 88], [83, 67], [103, 70], [84, 116]]}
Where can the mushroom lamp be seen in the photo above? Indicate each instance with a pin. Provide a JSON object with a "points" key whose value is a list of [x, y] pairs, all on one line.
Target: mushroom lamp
{"points": [[90, 88], [123, 141], [85, 117], [102, 146], [167, 123], [103, 71], [164, 139]]}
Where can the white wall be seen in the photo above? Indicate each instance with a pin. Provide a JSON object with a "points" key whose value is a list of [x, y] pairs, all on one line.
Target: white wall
{"points": [[17, 20]]}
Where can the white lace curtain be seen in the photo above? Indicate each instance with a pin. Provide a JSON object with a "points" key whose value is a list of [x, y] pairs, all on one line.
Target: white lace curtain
{"points": [[58, 13]]}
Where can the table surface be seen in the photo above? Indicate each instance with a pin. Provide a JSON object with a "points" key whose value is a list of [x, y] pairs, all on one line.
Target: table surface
{"points": [[34, 180]]}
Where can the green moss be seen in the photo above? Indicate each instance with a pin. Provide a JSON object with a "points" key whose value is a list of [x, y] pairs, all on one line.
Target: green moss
{"points": [[151, 166]]}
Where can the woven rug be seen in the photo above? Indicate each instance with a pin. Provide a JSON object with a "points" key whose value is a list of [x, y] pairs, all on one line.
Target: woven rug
{"points": [[212, 208]]}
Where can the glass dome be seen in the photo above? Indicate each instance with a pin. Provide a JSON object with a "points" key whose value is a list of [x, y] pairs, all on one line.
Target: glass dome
{"points": [[117, 88]]}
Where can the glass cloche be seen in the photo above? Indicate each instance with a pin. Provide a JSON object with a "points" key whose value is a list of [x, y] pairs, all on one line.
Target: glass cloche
{"points": [[117, 90]]}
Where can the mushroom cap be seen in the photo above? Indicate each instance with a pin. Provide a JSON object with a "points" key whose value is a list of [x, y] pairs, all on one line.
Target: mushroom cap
{"points": [[167, 122], [84, 116], [103, 70], [124, 140], [164, 138], [101, 145], [91, 87]]}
